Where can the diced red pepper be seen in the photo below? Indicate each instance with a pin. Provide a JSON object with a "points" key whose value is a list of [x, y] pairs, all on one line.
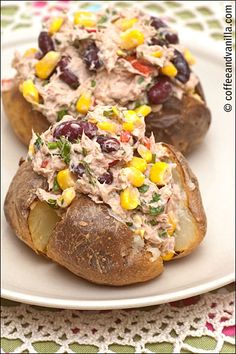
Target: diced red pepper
{"points": [[125, 137], [140, 66], [147, 143], [44, 163], [91, 30], [113, 163]]}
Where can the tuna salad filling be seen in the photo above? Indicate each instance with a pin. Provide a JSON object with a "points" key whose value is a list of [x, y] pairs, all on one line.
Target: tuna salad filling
{"points": [[126, 58], [100, 157]]}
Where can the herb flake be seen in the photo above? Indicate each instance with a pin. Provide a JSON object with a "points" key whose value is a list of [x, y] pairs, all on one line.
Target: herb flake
{"points": [[61, 114], [64, 147], [38, 142], [144, 188], [155, 198], [140, 80], [93, 83], [156, 211]]}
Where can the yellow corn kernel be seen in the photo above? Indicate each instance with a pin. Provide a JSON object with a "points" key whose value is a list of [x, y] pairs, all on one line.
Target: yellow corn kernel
{"points": [[84, 103], [157, 54], [85, 19], [135, 176], [129, 198], [132, 116], [172, 222], [125, 24], [107, 126], [47, 64], [30, 52], [56, 24], [121, 53], [168, 256], [115, 110], [29, 91], [65, 179], [169, 70], [139, 232], [31, 149], [145, 153], [130, 39], [68, 195], [138, 163], [128, 126], [158, 173], [144, 110], [189, 57]]}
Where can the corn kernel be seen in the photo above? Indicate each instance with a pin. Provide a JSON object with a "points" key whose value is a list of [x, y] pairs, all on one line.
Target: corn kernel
{"points": [[135, 176], [132, 117], [128, 126], [125, 24], [168, 256], [144, 110], [172, 222], [47, 64], [30, 52], [130, 39], [138, 163], [121, 53], [129, 198], [169, 70], [31, 149], [189, 57], [107, 126], [85, 19], [29, 91], [68, 195], [140, 232], [145, 153], [65, 179], [158, 173], [56, 24], [157, 54], [84, 103]]}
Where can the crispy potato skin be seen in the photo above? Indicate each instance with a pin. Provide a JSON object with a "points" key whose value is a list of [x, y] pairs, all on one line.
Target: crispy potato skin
{"points": [[21, 115], [181, 123], [194, 200], [91, 243], [20, 196]]}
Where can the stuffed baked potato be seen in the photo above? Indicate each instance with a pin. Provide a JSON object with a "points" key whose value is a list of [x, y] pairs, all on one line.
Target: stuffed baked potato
{"points": [[130, 59], [107, 204]]}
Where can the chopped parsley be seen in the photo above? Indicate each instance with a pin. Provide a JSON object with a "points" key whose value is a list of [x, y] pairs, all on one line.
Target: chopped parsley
{"points": [[163, 234], [38, 142], [153, 222], [84, 152], [154, 156], [144, 188], [93, 83], [45, 82], [64, 147], [155, 198], [52, 145], [52, 202], [156, 211], [56, 186], [130, 224], [102, 20], [61, 114], [140, 80], [108, 113], [88, 173]]}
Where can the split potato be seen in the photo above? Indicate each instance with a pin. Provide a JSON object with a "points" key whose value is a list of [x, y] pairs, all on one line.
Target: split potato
{"points": [[88, 241]]}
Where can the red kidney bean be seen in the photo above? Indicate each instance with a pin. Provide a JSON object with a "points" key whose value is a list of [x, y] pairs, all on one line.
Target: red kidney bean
{"points": [[91, 57], [73, 130], [108, 144], [182, 67], [160, 91], [45, 42], [70, 79], [157, 23], [106, 177]]}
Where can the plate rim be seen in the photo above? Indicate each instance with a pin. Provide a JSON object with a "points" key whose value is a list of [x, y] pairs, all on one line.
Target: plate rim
{"points": [[23, 36], [117, 304]]}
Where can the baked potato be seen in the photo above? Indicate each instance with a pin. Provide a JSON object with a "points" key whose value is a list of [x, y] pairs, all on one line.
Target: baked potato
{"points": [[109, 59], [110, 207]]}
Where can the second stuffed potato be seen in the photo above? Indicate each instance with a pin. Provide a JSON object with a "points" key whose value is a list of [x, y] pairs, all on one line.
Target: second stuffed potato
{"points": [[109, 205]]}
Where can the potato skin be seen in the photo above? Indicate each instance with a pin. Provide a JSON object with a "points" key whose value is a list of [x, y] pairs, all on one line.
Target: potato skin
{"points": [[100, 251], [181, 123], [194, 200], [91, 243], [22, 117]]}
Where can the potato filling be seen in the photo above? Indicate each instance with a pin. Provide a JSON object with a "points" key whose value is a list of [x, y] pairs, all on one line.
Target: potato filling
{"points": [[123, 169], [128, 58]]}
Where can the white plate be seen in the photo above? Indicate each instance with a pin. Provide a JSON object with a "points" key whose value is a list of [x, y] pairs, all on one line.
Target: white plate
{"points": [[29, 278]]}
